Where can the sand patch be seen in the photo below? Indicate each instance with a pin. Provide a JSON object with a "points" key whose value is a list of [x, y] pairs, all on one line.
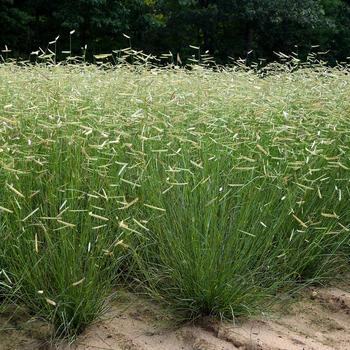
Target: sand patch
{"points": [[320, 320]]}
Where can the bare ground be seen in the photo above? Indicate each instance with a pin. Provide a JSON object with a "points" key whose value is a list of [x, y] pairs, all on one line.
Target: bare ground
{"points": [[320, 320]]}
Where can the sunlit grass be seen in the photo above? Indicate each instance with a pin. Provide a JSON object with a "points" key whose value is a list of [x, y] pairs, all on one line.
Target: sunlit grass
{"points": [[211, 190]]}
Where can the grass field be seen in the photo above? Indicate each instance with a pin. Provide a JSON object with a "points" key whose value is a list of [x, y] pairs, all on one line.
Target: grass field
{"points": [[210, 191]]}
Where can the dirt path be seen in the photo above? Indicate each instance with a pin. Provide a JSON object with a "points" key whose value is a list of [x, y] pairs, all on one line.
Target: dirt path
{"points": [[318, 321]]}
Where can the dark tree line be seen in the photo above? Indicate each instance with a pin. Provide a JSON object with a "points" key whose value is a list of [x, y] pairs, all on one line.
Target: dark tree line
{"points": [[227, 28]]}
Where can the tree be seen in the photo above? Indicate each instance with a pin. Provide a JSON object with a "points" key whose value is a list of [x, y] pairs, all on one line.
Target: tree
{"points": [[98, 23], [224, 27], [14, 25]]}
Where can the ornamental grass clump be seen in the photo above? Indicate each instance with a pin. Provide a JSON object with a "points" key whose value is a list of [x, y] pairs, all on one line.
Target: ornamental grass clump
{"points": [[210, 190]]}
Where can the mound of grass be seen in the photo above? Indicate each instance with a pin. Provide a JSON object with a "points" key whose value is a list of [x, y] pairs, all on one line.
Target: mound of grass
{"points": [[212, 189]]}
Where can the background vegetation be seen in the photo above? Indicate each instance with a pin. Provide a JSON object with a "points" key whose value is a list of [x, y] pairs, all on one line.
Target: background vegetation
{"points": [[227, 28]]}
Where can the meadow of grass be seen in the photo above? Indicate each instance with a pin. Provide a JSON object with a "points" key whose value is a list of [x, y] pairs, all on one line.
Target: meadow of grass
{"points": [[209, 190]]}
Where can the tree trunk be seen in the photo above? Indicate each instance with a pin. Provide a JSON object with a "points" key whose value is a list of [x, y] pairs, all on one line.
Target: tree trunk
{"points": [[249, 37]]}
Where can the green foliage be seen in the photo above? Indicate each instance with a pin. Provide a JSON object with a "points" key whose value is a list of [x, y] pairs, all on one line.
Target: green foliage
{"points": [[14, 22], [224, 27]]}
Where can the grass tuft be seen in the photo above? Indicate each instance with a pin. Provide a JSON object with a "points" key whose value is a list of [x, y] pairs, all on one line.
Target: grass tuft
{"points": [[212, 189]]}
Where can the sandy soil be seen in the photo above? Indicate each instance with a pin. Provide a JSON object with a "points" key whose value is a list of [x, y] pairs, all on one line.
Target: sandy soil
{"points": [[18, 330], [320, 320]]}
